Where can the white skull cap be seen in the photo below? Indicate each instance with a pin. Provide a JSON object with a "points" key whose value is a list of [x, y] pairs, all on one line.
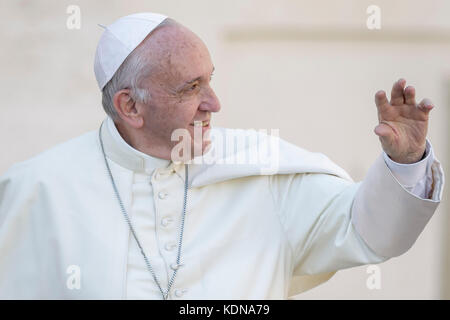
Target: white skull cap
{"points": [[119, 39]]}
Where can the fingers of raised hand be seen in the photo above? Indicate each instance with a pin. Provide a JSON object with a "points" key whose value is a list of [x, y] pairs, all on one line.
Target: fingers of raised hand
{"points": [[385, 111], [381, 99], [397, 97], [410, 96], [425, 105]]}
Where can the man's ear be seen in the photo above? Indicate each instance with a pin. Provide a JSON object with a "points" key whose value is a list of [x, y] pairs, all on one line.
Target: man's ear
{"points": [[126, 108]]}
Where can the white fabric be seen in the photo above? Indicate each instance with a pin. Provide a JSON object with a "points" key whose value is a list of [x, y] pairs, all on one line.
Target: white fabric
{"points": [[146, 222], [399, 214], [119, 39], [415, 177], [248, 236]]}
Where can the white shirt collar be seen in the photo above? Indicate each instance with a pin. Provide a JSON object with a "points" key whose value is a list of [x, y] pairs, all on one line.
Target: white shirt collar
{"points": [[118, 150]]}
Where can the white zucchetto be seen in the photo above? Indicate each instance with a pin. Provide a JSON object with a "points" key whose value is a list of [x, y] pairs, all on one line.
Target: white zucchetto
{"points": [[119, 39]]}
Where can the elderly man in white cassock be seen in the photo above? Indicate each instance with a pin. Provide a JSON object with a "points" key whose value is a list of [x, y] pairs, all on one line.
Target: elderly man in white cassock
{"points": [[112, 215]]}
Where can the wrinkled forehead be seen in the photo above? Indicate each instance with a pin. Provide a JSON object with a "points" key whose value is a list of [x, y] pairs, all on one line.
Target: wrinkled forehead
{"points": [[179, 54]]}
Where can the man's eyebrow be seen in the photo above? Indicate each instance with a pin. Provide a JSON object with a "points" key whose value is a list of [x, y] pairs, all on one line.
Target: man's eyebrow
{"points": [[193, 80]]}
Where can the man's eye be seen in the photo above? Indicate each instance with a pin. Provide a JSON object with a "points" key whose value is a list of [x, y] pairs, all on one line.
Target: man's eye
{"points": [[193, 87]]}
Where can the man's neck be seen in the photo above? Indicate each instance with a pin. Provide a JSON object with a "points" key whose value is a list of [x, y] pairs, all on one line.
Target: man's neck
{"points": [[144, 144]]}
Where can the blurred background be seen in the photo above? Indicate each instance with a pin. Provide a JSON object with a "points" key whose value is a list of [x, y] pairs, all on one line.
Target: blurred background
{"points": [[309, 68]]}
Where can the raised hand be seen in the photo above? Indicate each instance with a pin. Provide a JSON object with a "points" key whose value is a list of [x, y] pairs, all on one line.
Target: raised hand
{"points": [[403, 124]]}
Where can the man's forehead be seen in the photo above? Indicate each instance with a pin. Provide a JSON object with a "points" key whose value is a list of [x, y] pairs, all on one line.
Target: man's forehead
{"points": [[174, 37], [184, 61]]}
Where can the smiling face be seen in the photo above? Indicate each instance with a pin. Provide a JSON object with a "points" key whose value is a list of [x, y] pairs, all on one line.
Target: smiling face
{"points": [[179, 85]]}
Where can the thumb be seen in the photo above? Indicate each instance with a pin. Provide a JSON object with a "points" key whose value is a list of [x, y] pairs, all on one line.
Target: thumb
{"points": [[383, 130], [385, 133]]}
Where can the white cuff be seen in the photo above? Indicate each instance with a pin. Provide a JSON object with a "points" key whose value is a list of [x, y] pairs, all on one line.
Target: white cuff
{"points": [[409, 174]]}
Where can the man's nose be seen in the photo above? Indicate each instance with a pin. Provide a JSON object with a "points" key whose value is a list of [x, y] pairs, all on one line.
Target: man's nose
{"points": [[210, 101]]}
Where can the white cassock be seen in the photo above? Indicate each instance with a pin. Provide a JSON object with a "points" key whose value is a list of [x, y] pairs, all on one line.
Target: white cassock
{"points": [[247, 234]]}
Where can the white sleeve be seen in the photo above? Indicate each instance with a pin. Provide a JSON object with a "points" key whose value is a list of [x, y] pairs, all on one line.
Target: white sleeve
{"points": [[387, 215], [332, 223], [415, 177]]}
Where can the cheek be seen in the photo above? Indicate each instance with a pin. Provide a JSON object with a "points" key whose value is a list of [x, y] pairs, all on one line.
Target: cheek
{"points": [[169, 115], [157, 120], [184, 113]]}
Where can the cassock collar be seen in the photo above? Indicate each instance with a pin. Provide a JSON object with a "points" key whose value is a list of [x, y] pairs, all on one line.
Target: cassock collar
{"points": [[119, 151]]}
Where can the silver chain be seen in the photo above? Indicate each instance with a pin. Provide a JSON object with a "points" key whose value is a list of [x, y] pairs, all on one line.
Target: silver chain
{"points": [[127, 218]]}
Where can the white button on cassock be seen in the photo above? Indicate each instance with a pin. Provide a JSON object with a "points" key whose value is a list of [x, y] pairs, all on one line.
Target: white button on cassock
{"points": [[170, 246], [162, 195], [166, 221], [180, 292], [176, 266]]}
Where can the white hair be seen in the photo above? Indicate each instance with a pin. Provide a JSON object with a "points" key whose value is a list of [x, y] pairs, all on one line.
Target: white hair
{"points": [[135, 68]]}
